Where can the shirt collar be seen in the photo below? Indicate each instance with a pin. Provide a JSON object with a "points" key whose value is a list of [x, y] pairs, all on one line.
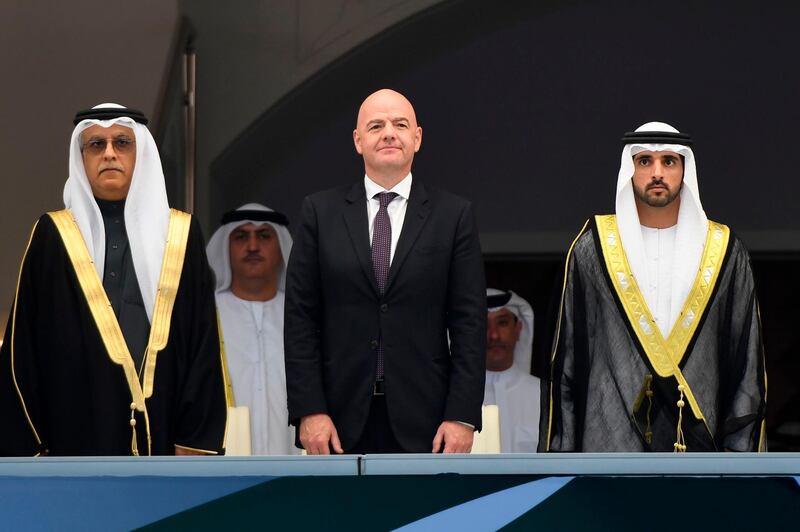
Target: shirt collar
{"points": [[402, 189]]}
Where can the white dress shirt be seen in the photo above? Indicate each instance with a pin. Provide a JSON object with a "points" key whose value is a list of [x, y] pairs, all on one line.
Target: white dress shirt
{"points": [[396, 209], [659, 247]]}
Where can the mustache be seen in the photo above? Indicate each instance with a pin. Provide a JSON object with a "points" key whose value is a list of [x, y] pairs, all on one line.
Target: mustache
{"points": [[117, 168], [657, 183], [253, 255]]}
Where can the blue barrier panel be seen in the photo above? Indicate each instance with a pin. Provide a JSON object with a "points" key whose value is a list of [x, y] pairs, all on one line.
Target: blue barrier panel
{"points": [[385, 492]]}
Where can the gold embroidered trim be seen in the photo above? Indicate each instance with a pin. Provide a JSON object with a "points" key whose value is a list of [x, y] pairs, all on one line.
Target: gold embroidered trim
{"points": [[103, 314], [558, 334], [648, 380], [97, 299], [229, 398], [230, 403], [646, 392], [664, 355], [13, 327], [168, 281], [762, 437]]}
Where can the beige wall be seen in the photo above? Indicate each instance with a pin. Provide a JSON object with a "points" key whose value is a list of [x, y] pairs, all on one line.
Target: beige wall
{"points": [[56, 58]]}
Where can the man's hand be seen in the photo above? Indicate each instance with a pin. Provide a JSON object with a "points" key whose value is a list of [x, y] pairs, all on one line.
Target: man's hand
{"points": [[318, 435], [457, 437]]}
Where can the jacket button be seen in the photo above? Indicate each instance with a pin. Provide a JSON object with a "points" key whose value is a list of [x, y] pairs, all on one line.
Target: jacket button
{"points": [[373, 344], [384, 307]]}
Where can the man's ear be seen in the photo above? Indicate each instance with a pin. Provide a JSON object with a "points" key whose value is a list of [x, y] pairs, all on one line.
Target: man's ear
{"points": [[357, 142]]}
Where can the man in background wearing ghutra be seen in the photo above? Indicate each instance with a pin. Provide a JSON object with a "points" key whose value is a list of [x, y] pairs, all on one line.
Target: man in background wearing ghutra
{"points": [[658, 346], [111, 346], [248, 254], [509, 383]]}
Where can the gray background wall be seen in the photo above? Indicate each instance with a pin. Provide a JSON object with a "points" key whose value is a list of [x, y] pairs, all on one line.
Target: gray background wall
{"points": [[523, 107], [254, 52], [56, 58]]}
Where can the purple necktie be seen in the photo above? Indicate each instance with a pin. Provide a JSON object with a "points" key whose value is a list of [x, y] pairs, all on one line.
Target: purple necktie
{"points": [[381, 251]]}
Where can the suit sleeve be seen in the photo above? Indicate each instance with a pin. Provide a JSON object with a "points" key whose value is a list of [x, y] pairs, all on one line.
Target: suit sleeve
{"points": [[202, 411], [302, 321], [19, 408], [466, 323]]}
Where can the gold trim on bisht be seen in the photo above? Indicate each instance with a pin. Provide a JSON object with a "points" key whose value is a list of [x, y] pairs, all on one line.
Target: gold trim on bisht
{"points": [[168, 282], [665, 354], [230, 402], [558, 334], [103, 314], [13, 328], [762, 436], [229, 398]]}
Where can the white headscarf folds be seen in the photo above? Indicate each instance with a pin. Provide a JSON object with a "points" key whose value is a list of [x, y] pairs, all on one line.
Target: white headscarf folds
{"points": [[218, 249], [523, 311], [692, 221], [146, 207]]}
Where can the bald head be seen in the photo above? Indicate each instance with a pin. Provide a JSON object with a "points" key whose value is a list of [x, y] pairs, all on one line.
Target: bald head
{"points": [[387, 136], [385, 99]]}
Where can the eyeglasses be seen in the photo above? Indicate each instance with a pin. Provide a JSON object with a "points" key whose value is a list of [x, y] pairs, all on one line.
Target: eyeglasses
{"points": [[97, 145]]}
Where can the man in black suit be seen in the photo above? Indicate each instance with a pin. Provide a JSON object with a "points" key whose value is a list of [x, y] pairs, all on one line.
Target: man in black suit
{"points": [[380, 273]]}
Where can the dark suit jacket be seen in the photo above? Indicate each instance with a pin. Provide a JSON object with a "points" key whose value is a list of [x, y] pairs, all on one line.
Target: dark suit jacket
{"points": [[335, 315]]}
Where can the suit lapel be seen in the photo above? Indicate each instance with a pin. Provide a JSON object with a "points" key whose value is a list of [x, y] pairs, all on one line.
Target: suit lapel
{"points": [[357, 223], [416, 216]]}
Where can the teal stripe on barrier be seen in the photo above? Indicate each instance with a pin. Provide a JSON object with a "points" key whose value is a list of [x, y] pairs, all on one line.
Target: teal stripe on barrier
{"points": [[493, 511], [106, 503]]}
